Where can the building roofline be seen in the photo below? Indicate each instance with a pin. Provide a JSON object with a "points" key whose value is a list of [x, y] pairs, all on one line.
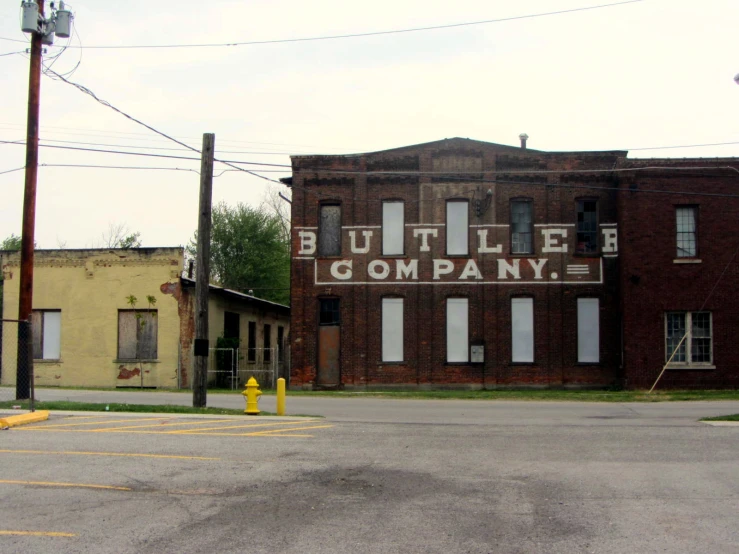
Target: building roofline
{"points": [[186, 281]]}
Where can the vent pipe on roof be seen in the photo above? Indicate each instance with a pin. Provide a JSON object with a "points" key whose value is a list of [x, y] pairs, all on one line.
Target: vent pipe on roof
{"points": [[524, 137]]}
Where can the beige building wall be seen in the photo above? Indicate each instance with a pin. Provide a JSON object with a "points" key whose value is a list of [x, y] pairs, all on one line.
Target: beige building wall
{"points": [[90, 287]]}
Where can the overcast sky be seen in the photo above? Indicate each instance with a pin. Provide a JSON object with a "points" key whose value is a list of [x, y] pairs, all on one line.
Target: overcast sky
{"points": [[645, 74]]}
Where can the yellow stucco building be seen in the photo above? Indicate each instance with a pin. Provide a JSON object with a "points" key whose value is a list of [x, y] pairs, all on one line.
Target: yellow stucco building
{"points": [[86, 333]]}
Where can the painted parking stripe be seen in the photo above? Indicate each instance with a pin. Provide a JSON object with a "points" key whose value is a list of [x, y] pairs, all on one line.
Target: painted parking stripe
{"points": [[123, 454], [54, 484], [276, 432], [270, 424], [36, 533], [106, 429], [102, 422]]}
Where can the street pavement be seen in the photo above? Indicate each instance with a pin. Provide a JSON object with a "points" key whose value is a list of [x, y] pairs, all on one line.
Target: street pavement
{"points": [[373, 476]]}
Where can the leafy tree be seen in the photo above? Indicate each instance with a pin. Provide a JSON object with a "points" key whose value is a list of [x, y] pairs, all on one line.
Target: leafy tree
{"points": [[13, 242], [249, 251]]}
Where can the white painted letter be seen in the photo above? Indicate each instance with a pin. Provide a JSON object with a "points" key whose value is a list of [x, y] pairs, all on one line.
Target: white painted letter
{"points": [[504, 268], [537, 266], [550, 244], [610, 242], [335, 270], [367, 237], [424, 234], [442, 267], [409, 270], [471, 270], [384, 271], [482, 243], [307, 242]]}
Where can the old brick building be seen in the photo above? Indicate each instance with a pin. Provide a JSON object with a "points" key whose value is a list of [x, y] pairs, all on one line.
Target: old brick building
{"points": [[465, 263]]}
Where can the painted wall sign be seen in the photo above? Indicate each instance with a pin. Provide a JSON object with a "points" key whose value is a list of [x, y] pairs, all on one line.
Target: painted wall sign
{"points": [[554, 264]]}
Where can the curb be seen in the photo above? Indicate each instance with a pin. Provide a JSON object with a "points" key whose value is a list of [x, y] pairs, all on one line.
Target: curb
{"points": [[23, 419]]}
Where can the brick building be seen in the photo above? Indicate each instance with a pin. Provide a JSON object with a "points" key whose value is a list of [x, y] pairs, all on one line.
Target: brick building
{"points": [[473, 264]]}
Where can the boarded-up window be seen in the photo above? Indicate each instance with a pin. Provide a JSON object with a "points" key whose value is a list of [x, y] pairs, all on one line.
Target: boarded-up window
{"points": [[393, 228], [521, 227], [522, 329], [457, 228], [137, 334], [588, 330], [457, 330], [47, 334], [267, 342], [329, 230], [251, 355], [392, 329]]}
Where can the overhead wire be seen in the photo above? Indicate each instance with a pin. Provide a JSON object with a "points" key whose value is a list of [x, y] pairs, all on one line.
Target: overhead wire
{"points": [[360, 35]]}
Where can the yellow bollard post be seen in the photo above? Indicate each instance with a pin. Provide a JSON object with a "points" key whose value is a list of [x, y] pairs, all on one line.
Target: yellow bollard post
{"points": [[280, 396]]}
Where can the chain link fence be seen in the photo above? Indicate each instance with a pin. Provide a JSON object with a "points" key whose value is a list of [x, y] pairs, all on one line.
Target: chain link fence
{"points": [[231, 368], [16, 366]]}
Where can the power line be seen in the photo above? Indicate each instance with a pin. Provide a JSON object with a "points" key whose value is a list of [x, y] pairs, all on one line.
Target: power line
{"points": [[357, 35], [12, 170]]}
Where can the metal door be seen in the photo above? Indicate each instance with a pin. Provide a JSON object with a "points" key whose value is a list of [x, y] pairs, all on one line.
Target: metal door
{"points": [[329, 343]]}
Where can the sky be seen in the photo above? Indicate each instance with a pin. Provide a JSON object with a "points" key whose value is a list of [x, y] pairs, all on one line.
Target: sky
{"points": [[636, 76]]}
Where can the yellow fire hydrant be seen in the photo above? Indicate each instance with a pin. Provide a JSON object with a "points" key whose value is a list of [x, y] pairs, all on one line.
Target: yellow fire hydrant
{"points": [[252, 394]]}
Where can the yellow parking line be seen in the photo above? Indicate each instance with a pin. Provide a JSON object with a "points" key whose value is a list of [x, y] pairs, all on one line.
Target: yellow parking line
{"points": [[38, 533], [159, 425], [52, 484], [125, 454], [98, 422], [274, 432], [271, 424]]}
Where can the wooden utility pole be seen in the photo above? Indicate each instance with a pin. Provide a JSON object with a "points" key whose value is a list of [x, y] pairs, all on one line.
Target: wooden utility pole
{"points": [[202, 279], [25, 300]]}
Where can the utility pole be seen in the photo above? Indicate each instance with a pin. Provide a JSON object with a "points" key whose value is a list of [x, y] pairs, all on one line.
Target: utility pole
{"points": [[202, 279], [25, 302]]}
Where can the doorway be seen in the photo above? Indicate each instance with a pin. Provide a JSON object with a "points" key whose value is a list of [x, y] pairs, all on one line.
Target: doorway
{"points": [[329, 343]]}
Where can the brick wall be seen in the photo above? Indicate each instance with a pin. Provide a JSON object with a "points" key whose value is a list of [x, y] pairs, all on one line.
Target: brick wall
{"points": [[653, 283], [424, 177]]}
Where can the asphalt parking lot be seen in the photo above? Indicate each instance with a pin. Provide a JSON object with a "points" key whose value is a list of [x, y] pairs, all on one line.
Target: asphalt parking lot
{"points": [[567, 478]]}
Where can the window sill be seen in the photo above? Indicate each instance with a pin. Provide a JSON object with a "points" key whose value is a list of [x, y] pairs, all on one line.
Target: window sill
{"points": [[687, 261], [522, 363], [404, 362], [692, 367], [134, 361], [46, 361], [522, 255], [586, 254]]}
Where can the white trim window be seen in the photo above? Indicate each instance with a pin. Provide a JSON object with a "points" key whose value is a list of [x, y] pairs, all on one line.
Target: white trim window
{"points": [[457, 330], [46, 326], [457, 228], [393, 228], [588, 330], [392, 329], [522, 330], [697, 347], [686, 231]]}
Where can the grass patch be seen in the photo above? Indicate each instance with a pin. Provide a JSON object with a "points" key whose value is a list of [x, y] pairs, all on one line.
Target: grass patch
{"points": [[552, 395], [113, 407], [733, 417]]}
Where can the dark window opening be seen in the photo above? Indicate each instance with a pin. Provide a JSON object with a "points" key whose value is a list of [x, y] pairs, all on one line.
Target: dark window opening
{"points": [[329, 311], [587, 227], [267, 342], [251, 352]]}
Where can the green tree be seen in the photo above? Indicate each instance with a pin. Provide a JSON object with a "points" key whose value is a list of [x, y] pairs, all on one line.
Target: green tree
{"points": [[13, 242], [248, 251]]}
